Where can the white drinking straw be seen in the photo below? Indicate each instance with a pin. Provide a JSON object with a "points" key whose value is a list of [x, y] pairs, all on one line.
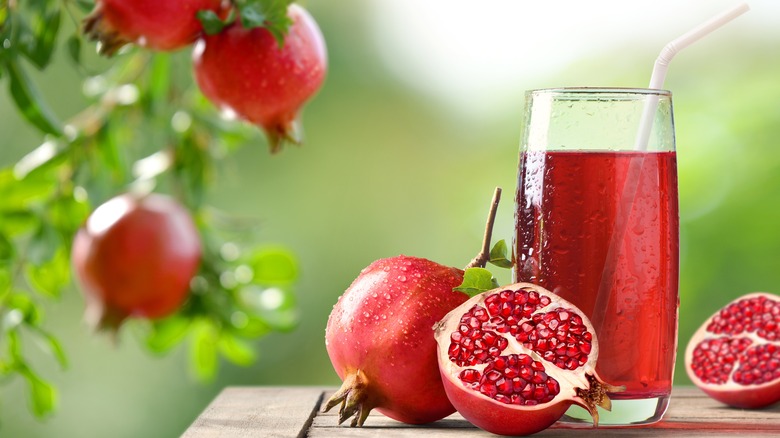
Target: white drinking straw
{"points": [[666, 55], [628, 195]]}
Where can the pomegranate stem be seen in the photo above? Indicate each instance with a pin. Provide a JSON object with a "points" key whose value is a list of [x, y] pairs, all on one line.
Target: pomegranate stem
{"points": [[484, 255]]}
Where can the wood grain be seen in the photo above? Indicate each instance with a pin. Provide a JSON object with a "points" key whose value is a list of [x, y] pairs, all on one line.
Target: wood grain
{"points": [[240, 412], [295, 412]]}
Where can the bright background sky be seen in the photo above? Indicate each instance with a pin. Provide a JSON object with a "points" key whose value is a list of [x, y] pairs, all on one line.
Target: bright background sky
{"points": [[462, 51]]}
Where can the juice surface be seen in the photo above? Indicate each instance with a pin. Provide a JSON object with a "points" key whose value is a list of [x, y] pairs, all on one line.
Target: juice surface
{"points": [[601, 230]]}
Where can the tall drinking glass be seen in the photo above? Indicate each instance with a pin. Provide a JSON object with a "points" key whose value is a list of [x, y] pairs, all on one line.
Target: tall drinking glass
{"points": [[597, 223]]}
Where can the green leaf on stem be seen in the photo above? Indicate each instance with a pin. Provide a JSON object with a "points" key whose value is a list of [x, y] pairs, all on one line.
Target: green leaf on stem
{"points": [[74, 48], [270, 14], [6, 249], [43, 244], [203, 351], [85, 5], [167, 333], [43, 395], [29, 102], [46, 25], [158, 87], [28, 310], [53, 346], [49, 278], [236, 350], [274, 266], [211, 22], [476, 281], [498, 255]]}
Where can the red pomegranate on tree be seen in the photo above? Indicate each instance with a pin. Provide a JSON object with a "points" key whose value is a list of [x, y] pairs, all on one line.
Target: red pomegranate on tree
{"points": [[246, 72], [514, 359], [135, 257], [734, 356], [164, 25]]}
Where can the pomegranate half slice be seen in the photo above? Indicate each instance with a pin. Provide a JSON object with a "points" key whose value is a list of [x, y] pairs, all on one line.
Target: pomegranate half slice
{"points": [[734, 357], [514, 359]]}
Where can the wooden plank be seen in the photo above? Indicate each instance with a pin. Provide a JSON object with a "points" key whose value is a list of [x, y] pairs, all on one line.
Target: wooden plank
{"points": [[691, 414], [240, 412]]}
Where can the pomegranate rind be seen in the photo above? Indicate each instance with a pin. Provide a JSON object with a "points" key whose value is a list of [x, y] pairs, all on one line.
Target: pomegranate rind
{"points": [[508, 419], [154, 25], [268, 86], [380, 331], [499, 418], [733, 393], [135, 257]]}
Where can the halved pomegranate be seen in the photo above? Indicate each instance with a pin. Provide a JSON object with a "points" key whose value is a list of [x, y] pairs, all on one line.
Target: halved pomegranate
{"points": [[735, 355], [515, 358]]}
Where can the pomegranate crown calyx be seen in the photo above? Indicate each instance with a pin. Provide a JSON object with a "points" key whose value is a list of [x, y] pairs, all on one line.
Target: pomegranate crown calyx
{"points": [[268, 14]]}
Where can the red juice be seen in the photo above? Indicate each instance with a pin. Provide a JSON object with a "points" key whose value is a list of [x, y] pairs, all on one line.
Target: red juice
{"points": [[572, 222]]}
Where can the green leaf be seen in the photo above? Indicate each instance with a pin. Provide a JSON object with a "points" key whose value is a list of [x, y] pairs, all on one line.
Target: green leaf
{"points": [[236, 351], [276, 305], [43, 395], [498, 255], [203, 351], [5, 280], [29, 311], [15, 222], [29, 102], [20, 193], [159, 82], [67, 214], [74, 48], [167, 333], [270, 14], [85, 5], [252, 327], [43, 244], [274, 265], [6, 249], [46, 24], [53, 346], [476, 281], [49, 278], [211, 22]]}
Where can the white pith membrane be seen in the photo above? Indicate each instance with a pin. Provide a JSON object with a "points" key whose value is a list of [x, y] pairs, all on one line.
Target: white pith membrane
{"points": [[722, 355], [576, 384]]}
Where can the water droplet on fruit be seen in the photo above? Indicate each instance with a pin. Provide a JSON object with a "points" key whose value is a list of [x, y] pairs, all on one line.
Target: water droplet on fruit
{"points": [[401, 278], [366, 314], [404, 268], [386, 268], [374, 295], [387, 296]]}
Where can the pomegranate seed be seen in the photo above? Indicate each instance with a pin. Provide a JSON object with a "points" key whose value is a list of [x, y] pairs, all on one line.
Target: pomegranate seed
{"points": [[470, 375]]}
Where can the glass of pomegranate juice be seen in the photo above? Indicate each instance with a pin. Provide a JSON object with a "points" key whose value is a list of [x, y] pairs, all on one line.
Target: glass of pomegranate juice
{"points": [[597, 223]]}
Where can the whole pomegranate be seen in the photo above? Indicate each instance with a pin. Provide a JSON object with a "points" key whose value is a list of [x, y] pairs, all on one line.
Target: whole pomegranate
{"points": [[515, 358], [246, 72], [154, 24], [134, 257], [734, 357], [379, 340]]}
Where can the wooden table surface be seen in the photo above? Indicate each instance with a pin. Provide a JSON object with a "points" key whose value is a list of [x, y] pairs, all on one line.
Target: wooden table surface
{"points": [[296, 412]]}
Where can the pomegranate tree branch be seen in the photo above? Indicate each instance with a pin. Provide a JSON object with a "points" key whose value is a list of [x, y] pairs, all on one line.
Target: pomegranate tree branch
{"points": [[484, 255]]}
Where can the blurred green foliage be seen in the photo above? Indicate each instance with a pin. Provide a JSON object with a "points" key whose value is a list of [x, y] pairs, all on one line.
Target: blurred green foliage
{"points": [[385, 171]]}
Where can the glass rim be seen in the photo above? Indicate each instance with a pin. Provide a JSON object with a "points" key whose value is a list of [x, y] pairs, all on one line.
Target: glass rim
{"points": [[599, 91]]}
